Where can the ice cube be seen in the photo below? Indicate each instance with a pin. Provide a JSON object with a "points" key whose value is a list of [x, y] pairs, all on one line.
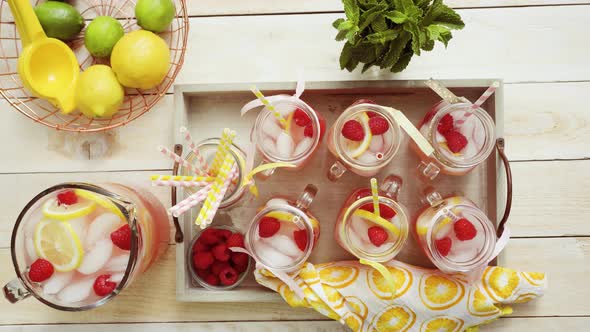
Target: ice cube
{"points": [[357, 241], [277, 202], [80, 226], [117, 263], [101, 228], [377, 144], [285, 109], [271, 257], [269, 146], [367, 157], [76, 292], [271, 127], [96, 258], [57, 282], [361, 227], [463, 251], [373, 249], [117, 277], [285, 145], [479, 134], [30, 248], [303, 146], [284, 244], [470, 150], [443, 231], [387, 140]]}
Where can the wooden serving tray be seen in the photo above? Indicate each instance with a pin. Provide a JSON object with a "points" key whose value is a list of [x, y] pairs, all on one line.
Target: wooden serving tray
{"points": [[205, 109]]}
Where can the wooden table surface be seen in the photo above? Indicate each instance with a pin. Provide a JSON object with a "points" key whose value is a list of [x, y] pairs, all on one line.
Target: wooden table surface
{"points": [[539, 47]]}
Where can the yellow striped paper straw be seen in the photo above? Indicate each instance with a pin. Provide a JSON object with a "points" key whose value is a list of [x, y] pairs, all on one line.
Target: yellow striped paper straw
{"points": [[227, 139], [228, 163], [182, 178], [375, 194], [268, 105]]}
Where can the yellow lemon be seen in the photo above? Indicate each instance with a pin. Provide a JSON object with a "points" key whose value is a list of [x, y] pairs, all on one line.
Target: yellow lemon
{"points": [[140, 59], [100, 200], [98, 93], [442, 324], [52, 209], [439, 293], [355, 149], [57, 242]]}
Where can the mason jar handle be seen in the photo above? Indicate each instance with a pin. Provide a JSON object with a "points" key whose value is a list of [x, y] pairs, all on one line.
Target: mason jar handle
{"points": [[15, 291], [500, 145], [336, 171], [391, 186], [178, 236], [428, 171], [306, 197]]}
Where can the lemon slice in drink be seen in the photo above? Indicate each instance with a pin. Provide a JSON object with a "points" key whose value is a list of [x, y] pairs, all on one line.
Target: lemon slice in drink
{"points": [[57, 242], [356, 149], [378, 220], [286, 216], [289, 122], [51, 209], [100, 200]]}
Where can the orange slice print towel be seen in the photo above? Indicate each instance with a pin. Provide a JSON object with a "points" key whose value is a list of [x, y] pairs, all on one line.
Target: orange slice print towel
{"points": [[422, 300]]}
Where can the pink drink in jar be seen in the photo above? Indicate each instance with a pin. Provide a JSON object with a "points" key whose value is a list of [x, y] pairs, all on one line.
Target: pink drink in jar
{"points": [[460, 141], [283, 233], [75, 246], [455, 234], [364, 139], [364, 238]]}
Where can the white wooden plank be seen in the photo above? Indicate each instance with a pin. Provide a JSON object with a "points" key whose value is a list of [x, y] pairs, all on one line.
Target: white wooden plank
{"points": [[152, 297], [505, 324]]}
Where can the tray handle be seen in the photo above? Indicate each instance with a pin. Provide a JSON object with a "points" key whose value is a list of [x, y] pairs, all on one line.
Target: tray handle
{"points": [[178, 236], [500, 145]]}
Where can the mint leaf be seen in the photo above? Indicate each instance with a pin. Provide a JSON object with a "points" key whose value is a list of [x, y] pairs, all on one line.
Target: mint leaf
{"points": [[336, 23], [396, 16], [449, 18], [422, 4], [416, 36], [395, 49], [403, 62], [382, 37], [341, 35], [345, 26], [351, 10], [369, 16], [351, 35], [345, 55], [445, 38], [428, 45], [434, 31], [379, 24]]}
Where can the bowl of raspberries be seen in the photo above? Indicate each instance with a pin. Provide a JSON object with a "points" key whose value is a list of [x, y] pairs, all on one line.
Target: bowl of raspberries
{"points": [[212, 264]]}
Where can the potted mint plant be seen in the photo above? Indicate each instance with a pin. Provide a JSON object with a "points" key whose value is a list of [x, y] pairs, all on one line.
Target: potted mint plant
{"points": [[388, 33]]}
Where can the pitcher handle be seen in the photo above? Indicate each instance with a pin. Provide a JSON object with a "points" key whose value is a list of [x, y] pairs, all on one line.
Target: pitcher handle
{"points": [[15, 291], [500, 145], [178, 236]]}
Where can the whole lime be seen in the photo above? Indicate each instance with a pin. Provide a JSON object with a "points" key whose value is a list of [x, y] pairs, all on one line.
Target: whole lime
{"points": [[59, 20], [154, 15], [102, 34]]}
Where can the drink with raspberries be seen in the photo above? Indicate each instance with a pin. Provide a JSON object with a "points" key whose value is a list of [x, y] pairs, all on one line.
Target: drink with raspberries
{"points": [[283, 233], [296, 140], [462, 139], [364, 139], [75, 246], [211, 262], [366, 235], [455, 234]]}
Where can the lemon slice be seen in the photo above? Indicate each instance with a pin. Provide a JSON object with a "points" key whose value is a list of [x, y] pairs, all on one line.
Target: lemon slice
{"points": [[289, 121], [57, 242], [357, 149], [51, 209], [378, 220], [100, 200], [280, 215]]}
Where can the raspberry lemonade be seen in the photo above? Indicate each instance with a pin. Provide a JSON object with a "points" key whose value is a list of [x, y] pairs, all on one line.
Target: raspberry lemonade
{"points": [[364, 139], [283, 233], [366, 235], [461, 141], [455, 234], [75, 246], [296, 140]]}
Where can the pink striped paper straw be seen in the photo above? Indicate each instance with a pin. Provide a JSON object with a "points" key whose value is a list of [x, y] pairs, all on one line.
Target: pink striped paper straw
{"points": [[191, 144], [174, 183], [165, 151], [477, 104], [189, 202], [219, 197]]}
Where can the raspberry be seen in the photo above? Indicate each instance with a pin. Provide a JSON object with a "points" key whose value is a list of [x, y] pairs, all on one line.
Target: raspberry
{"points": [[377, 235], [455, 141], [240, 267], [200, 246], [218, 266], [372, 114], [212, 280], [300, 238], [239, 258], [40, 270], [365, 192], [268, 226], [102, 286], [235, 240], [228, 276], [384, 210], [220, 252], [67, 198], [301, 118], [308, 131], [353, 130], [202, 260], [203, 273], [223, 234], [209, 236], [444, 245], [445, 124], [378, 125], [122, 237], [464, 229]]}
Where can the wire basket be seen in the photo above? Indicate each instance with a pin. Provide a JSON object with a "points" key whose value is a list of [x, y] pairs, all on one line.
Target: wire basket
{"points": [[136, 103]]}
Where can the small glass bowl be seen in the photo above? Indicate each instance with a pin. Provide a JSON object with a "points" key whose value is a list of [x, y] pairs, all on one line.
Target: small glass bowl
{"points": [[195, 276]]}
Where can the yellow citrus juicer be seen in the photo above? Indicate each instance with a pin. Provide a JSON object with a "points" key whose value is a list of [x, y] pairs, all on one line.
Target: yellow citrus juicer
{"points": [[47, 66]]}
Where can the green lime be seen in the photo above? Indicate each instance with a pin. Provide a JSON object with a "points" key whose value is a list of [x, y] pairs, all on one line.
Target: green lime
{"points": [[154, 15], [59, 20], [102, 34]]}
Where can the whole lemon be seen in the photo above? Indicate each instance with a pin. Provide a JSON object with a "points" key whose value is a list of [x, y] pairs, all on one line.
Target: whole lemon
{"points": [[98, 93], [140, 59]]}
